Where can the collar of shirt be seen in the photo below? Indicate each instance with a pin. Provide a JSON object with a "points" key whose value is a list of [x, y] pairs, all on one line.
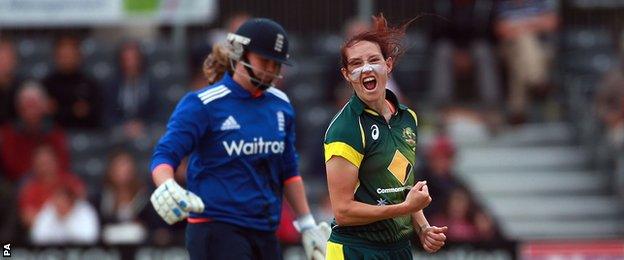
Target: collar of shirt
{"points": [[237, 89], [360, 106]]}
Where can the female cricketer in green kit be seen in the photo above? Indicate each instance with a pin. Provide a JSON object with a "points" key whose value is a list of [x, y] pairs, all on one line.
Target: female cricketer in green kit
{"points": [[369, 153]]}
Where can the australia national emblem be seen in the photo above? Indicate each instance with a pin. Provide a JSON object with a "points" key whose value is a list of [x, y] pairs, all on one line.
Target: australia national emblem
{"points": [[410, 137]]}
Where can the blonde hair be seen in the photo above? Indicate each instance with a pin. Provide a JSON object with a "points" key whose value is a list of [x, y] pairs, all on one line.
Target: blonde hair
{"points": [[216, 64]]}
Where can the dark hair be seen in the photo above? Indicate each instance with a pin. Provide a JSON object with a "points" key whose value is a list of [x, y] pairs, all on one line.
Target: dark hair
{"points": [[388, 38], [67, 39], [7, 41], [136, 183], [131, 44]]}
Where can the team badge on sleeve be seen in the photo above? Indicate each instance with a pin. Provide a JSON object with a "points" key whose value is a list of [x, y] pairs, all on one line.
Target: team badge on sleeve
{"points": [[410, 137], [280, 121]]}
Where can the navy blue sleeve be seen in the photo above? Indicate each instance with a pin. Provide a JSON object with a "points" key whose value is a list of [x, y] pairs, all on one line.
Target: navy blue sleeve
{"points": [[290, 156], [186, 126]]}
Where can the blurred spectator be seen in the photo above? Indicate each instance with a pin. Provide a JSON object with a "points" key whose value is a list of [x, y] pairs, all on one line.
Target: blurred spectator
{"points": [[9, 226], [9, 81], [462, 51], [213, 66], [46, 177], [452, 203], [286, 232], [487, 229], [31, 129], [439, 173], [196, 60], [203, 56], [521, 25], [132, 98], [8, 86], [75, 95], [124, 202], [457, 216], [466, 125], [65, 219], [610, 107]]}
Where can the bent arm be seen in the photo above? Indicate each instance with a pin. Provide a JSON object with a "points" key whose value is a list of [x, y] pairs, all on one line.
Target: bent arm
{"points": [[342, 180], [187, 125]]}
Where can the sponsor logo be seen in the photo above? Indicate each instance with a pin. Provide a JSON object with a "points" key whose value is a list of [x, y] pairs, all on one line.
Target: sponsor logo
{"points": [[375, 132], [257, 146], [381, 202], [230, 124], [400, 167], [392, 190]]}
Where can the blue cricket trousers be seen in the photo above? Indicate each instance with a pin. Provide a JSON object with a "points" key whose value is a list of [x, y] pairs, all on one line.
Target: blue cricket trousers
{"points": [[218, 240]]}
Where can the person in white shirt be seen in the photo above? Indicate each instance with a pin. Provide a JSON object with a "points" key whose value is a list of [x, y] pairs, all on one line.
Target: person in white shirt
{"points": [[65, 219]]}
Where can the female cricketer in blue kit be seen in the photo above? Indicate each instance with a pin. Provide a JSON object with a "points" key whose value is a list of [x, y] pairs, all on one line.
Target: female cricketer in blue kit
{"points": [[239, 135]]}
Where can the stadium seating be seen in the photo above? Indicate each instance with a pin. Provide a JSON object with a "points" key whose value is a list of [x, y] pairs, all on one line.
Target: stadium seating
{"points": [[537, 183]]}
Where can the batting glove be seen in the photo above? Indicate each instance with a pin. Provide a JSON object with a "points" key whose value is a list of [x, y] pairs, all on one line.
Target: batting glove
{"points": [[173, 203], [313, 237]]}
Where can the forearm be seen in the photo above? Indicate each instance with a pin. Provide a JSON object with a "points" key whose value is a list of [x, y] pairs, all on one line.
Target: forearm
{"points": [[294, 192], [161, 174], [354, 213], [419, 221]]}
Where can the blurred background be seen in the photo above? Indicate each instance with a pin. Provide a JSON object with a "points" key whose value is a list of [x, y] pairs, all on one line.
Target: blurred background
{"points": [[520, 105]]}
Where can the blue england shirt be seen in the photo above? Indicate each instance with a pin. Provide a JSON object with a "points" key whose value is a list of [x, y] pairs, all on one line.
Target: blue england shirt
{"points": [[241, 152]]}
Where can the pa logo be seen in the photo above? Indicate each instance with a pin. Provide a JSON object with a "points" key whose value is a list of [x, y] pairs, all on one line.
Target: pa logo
{"points": [[6, 250]]}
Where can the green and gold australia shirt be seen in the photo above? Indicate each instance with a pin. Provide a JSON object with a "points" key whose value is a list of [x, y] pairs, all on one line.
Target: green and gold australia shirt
{"points": [[384, 153]]}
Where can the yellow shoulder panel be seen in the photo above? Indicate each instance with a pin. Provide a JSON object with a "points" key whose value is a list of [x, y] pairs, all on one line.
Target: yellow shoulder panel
{"points": [[343, 150]]}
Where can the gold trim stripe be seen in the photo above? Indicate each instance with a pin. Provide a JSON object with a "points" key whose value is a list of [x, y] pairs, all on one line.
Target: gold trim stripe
{"points": [[371, 111], [414, 115], [362, 133]]}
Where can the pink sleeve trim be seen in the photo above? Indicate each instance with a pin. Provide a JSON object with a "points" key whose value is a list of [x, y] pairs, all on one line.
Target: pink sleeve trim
{"points": [[162, 165], [293, 179]]}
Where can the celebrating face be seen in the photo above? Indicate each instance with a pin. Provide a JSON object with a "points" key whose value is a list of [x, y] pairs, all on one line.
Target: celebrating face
{"points": [[367, 70]]}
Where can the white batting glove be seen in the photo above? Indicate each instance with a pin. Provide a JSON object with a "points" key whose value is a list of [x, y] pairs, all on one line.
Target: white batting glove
{"points": [[313, 237], [173, 203]]}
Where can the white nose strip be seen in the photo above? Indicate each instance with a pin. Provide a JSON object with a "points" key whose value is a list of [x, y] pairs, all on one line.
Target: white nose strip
{"points": [[357, 72]]}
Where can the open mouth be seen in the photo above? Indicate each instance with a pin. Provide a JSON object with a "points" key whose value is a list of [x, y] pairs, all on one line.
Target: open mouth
{"points": [[369, 83]]}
